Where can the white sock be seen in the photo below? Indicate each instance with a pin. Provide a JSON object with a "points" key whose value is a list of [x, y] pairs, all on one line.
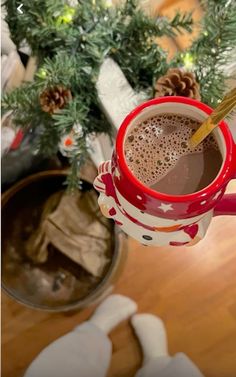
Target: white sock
{"points": [[151, 333], [112, 311]]}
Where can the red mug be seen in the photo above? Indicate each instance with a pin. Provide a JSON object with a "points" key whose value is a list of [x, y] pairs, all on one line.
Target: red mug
{"points": [[155, 218]]}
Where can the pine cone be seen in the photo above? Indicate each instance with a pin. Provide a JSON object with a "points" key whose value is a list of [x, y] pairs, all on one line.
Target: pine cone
{"points": [[53, 99], [177, 83]]}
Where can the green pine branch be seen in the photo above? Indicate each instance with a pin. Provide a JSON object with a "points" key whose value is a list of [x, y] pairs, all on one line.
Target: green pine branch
{"points": [[78, 158], [37, 25], [180, 23], [213, 49], [75, 112], [71, 43], [48, 140]]}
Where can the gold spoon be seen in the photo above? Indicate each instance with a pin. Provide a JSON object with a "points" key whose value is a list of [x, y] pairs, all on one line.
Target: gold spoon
{"points": [[219, 113]]}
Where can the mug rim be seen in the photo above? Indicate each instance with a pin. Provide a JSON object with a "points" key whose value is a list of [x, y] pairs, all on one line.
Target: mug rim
{"points": [[221, 178]]}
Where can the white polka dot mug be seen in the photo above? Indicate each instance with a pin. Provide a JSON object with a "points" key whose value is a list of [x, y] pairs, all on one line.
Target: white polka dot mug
{"points": [[155, 218]]}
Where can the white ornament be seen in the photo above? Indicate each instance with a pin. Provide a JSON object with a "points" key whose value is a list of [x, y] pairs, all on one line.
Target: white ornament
{"points": [[67, 145], [68, 142]]}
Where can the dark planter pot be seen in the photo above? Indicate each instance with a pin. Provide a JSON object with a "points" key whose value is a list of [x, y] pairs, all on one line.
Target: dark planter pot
{"points": [[28, 283]]}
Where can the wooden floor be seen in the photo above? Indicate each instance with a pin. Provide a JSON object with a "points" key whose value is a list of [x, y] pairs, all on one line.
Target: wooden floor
{"points": [[193, 290]]}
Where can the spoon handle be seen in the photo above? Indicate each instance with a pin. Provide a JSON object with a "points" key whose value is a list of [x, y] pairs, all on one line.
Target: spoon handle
{"points": [[218, 114]]}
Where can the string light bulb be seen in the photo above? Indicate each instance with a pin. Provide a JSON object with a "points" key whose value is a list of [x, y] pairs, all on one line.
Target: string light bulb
{"points": [[188, 61], [107, 3], [42, 73], [67, 16]]}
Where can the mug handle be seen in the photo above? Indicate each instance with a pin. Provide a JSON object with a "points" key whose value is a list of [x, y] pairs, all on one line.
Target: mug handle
{"points": [[100, 183], [103, 183], [227, 204]]}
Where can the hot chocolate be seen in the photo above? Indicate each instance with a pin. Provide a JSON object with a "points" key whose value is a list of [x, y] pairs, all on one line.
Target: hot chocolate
{"points": [[158, 154]]}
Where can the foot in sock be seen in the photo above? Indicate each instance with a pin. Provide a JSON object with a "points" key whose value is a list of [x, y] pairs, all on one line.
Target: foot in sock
{"points": [[151, 333], [112, 311]]}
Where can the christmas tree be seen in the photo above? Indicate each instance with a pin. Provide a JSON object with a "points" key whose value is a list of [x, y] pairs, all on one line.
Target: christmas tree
{"points": [[71, 40]]}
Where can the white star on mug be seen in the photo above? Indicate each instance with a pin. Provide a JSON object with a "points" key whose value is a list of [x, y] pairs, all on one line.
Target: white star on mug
{"points": [[166, 207]]}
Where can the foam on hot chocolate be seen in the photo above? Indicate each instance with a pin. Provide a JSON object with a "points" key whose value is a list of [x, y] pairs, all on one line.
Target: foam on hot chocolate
{"points": [[156, 146]]}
